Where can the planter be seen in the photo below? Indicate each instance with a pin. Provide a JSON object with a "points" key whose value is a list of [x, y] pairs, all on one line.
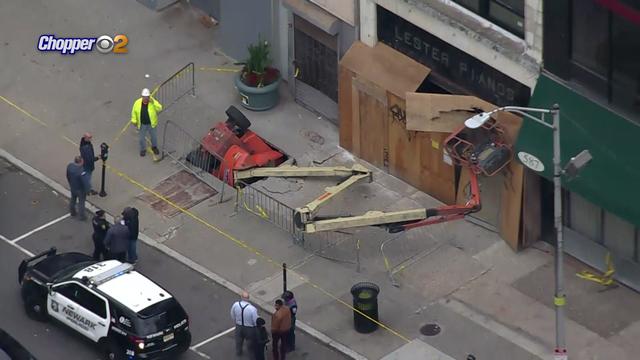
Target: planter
{"points": [[258, 99]]}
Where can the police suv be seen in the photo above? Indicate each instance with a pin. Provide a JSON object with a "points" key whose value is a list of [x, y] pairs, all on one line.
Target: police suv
{"points": [[126, 314]]}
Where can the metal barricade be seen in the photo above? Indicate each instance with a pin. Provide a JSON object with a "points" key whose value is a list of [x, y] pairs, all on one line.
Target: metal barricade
{"points": [[340, 246], [251, 199], [175, 87], [186, 150]]}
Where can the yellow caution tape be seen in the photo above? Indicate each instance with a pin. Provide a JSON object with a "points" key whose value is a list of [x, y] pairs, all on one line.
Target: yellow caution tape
{"points": [[228, 236], [559, 301], [260, 211], [605, 279]]}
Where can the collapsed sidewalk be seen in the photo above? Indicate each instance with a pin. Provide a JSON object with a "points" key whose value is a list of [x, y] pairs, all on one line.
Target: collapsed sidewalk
{"points": [[457, 275]]}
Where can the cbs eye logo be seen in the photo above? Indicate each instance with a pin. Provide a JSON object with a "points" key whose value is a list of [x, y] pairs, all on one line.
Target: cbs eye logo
{"points": [[118, 44]]}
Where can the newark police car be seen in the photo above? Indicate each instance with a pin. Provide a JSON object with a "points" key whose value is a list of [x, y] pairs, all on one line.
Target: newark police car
{"points": [[125, 313]]}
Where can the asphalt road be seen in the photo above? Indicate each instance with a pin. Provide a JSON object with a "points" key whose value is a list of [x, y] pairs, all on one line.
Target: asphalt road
{"points": [[26, 204]]}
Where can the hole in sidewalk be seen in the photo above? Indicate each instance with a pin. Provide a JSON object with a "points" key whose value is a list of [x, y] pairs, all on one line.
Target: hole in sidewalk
{"points": [[430, 330]]}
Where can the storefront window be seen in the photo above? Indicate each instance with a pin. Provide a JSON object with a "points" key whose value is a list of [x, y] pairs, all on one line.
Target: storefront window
{"points": [[596, 46], [625, 65], [603, 227], [590, 37], [584, 217], [508, 14]]}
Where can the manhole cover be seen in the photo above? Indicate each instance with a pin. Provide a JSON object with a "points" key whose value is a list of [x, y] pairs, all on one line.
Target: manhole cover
{"points": [[430, 330]]}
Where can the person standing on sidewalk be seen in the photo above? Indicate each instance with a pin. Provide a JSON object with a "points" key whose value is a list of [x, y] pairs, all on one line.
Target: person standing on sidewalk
{"points": [[100, 228], [144, 115], [89, 158], [290, 302], [280, 326], [244, 314], [130, 216], [262, 338], [117, 240], [77, 186]]}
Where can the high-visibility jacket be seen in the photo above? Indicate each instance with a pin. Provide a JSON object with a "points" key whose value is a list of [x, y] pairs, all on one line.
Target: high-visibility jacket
{"points": [[153, 112]]}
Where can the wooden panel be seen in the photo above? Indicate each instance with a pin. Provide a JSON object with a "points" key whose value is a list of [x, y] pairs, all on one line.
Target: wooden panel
{"points": [[404, 150], [511, 208], [345, 103], [531, 209], [386, 67], [355, 116], [437, 178], [440, 112], [373, 129], [365, 86]]}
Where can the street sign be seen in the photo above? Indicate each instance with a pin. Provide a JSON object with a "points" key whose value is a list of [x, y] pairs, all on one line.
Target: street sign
{"points": [[531, 161]]}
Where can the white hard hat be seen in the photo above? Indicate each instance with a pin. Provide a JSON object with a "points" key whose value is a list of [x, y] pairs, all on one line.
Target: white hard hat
{"points": [[145, 92]]}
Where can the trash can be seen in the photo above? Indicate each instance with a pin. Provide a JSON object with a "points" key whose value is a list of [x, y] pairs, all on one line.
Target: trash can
{"points": [[365, 299]]}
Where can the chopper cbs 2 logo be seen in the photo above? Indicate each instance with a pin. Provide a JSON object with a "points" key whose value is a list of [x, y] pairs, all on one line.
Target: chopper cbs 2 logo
{"points": [[68, 46]]}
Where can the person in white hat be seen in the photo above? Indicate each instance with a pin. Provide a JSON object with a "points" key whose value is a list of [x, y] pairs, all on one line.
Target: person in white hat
{"points": [[144, 116]]}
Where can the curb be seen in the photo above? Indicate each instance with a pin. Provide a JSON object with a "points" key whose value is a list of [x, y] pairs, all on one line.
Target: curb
{"points": [[318, 335]]}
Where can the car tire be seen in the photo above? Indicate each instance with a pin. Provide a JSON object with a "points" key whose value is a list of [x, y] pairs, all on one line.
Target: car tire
{"points": [[111, 350], [36, 307]]}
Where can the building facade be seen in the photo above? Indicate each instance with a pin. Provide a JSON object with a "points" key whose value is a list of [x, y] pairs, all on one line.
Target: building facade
{"points": [[580, 54], [591, 56]]}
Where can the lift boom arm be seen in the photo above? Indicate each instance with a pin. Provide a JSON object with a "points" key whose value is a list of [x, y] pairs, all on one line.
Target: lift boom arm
{"points": [[398, 221]]}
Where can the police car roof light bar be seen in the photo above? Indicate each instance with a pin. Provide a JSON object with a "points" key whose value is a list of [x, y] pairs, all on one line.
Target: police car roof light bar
{"points": [[110, 274]]}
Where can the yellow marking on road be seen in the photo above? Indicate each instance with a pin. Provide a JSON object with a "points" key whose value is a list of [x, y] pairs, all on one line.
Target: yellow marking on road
{"points": [[226, 235]]}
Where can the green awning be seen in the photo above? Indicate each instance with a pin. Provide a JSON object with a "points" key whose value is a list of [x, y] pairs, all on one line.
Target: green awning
{"points": [[612, 179]]}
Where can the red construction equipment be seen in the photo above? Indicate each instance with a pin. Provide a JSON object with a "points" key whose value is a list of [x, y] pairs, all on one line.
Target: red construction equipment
{"points": [[235, 147], [242, 155]]}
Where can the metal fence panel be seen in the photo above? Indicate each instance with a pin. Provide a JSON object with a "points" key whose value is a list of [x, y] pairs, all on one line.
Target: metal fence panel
{"points": [[175, 87], [186, 150]]}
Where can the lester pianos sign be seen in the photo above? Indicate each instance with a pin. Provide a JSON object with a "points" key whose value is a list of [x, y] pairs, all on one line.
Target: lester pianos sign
{"points": [[445, 60]]}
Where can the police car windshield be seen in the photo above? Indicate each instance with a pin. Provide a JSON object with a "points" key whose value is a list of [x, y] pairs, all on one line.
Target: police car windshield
{"points": [[159, 316]]}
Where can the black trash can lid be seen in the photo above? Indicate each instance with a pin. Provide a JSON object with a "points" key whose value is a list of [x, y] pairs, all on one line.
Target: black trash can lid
{"points": [[365, 288]]}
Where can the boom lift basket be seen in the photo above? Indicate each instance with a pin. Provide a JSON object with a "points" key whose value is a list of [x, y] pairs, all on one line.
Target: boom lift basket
{"points": [[483, 150]]}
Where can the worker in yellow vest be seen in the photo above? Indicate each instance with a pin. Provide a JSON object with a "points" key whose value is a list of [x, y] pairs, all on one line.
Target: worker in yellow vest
{"points": [[144, 116]]}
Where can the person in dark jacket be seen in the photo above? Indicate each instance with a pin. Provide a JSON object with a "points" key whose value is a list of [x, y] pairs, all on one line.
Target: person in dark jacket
{"points": [[100, 228], [117, 240], [290, 302], [89, 158], [77, 186], [130, 216], [261, 340]]}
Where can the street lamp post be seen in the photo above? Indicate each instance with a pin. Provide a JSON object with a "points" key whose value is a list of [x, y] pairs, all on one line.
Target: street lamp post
{"points": [[574, 165]]}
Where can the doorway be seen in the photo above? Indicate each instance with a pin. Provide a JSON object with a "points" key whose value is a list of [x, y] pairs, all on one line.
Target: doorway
{"points": [[316, 68]]}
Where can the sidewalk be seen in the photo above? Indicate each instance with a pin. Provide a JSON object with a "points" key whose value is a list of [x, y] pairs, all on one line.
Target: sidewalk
{"points": [[485, 299]]}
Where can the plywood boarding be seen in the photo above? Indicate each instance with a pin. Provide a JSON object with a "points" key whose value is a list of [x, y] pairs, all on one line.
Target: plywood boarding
{"points": [[355, 116], [345, 108], [511, 208], [386, 67], [373, 129], [531, 209], [416, 157], [404, 148], [437, 178], [440, 112]]}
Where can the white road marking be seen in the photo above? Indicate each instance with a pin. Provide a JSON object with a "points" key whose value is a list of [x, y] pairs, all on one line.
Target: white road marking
{"points": [[29, 253], [40, 228], [201, 354], [267, 307], [212, 338]]}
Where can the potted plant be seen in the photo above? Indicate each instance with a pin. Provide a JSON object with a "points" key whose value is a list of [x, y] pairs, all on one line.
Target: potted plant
{"points": [[258, 81]]}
